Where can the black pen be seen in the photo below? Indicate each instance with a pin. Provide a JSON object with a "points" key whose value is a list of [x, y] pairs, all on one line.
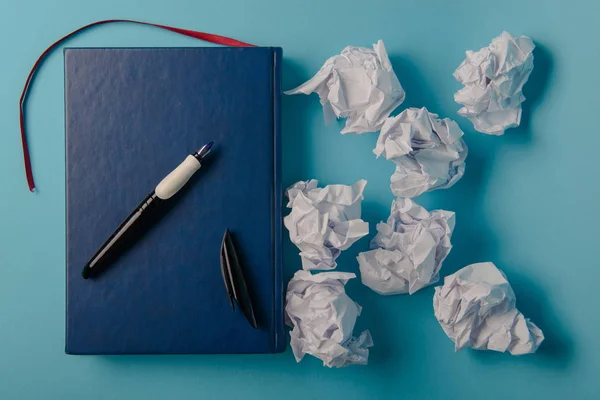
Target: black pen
{"points": [[166, 189]]}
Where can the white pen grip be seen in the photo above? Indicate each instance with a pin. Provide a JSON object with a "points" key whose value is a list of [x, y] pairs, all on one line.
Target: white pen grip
{"points": [[173, 182]]}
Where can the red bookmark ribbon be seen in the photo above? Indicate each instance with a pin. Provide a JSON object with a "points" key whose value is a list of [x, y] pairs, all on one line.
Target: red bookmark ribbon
{"points": [[207, 37]]}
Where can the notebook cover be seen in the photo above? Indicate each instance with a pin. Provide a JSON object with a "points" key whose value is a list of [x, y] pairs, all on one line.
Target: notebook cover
{"points": [[132, 115]]}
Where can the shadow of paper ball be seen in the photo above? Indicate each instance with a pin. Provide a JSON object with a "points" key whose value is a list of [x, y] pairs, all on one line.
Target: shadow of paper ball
{"points": [[557, 351], [534, 90]]}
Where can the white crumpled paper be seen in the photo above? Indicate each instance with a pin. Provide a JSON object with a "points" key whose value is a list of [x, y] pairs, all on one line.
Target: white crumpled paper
{"points": [[323, 222], [494, 77], [322, 317], [476, 308], [360, 85], [429, 152], [409, 249]]}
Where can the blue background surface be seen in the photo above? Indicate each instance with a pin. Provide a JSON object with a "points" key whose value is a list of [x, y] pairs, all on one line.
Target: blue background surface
{"points": [[527, 202]]}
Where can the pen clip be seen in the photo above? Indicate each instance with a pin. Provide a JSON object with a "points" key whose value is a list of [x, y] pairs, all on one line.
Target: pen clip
{"points": [[235, 284]]}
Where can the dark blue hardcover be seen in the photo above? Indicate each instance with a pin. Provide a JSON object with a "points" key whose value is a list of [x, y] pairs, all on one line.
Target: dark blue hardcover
{"points": [[132, 115]]}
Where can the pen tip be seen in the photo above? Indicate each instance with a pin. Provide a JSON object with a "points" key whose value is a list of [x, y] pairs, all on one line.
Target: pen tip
{"points": [[86, 272], [204, 150]]}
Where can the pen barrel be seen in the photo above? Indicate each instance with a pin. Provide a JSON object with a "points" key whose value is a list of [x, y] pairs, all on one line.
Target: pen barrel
{"points": [[129, 229], [141, 217]]}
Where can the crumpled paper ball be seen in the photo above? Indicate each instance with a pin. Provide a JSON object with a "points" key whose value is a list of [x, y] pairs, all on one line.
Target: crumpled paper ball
{"points": [[322, 317], [429, 152], [409, 249], [476, 307], [360, 85], [494, 78], [323, 222]]}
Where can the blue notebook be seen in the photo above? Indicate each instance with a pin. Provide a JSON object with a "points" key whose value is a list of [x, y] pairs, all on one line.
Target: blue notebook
{"points": [[132, 115]]}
